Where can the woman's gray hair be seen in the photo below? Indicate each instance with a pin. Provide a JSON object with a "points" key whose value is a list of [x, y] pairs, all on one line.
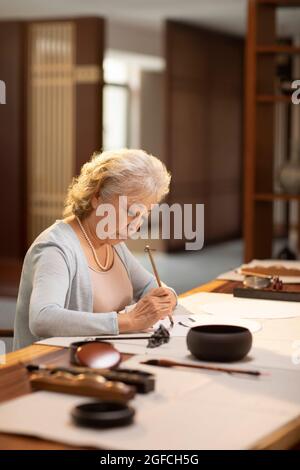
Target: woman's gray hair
{"points": [[125, 172]]}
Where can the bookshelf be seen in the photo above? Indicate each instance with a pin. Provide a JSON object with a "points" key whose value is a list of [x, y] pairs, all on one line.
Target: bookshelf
{"points": [[262, 48]]}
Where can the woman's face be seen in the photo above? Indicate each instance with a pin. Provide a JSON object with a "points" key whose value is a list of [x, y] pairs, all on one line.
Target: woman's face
{"points": [[121, 217]]}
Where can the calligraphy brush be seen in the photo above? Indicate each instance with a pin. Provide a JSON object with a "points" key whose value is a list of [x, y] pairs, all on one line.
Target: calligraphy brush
{"points": [[118, 338], [148, 250], [168, 363]]}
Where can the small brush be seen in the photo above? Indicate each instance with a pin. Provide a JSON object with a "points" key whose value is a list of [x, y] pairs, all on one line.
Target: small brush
{"points": [[168, 363]]}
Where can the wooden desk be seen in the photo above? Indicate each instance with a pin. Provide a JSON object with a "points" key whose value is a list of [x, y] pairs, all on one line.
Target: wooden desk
{"points": [[14, 383]]}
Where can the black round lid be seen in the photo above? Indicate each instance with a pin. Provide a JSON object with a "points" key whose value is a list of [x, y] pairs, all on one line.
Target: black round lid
{"points": [[102, 414]]}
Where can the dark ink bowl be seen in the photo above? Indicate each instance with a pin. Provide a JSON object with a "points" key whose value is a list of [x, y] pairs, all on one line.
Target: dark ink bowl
{"points": [[102, 414], [219, 343]]}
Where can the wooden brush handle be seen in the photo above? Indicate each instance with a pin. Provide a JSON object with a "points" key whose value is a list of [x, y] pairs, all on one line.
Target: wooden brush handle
{"points": [[168, 363], [148, 250]]}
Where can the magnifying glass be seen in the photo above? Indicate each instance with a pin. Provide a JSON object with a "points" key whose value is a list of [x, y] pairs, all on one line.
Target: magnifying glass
{"points": [[257, 282]]}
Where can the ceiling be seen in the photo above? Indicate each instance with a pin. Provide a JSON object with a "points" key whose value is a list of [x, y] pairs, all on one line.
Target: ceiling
{"points": [[225, 15]]}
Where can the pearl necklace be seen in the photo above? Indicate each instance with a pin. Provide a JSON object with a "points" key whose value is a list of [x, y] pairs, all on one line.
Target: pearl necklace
{"points": [[102, 268]]}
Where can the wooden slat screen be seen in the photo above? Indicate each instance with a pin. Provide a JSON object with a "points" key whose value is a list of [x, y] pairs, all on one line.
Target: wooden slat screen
{"points": [[50, 121]]}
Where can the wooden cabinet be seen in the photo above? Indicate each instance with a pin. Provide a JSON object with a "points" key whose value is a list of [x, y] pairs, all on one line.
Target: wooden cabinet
{"points": [[204, 97]]}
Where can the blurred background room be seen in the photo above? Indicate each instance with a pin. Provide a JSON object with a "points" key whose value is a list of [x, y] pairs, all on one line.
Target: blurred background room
{"points": [[205, 85]]}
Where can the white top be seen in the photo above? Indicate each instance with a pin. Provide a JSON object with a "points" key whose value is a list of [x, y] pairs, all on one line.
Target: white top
{"points": [[112, 289]]}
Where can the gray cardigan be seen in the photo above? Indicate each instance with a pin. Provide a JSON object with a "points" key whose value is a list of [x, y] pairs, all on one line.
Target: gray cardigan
{"points": [[55, 294]]}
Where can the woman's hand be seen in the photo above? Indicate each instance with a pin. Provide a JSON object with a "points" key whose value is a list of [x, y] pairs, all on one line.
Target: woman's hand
{"points": [[167, 292], [154, 306]]}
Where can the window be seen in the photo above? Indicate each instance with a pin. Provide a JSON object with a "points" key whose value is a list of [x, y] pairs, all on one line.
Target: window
{"points": [[116, 96]]}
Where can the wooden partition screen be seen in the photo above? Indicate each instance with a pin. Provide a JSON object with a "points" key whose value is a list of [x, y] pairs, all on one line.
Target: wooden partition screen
{"points": [[64, 111], [50, 121], [50, 125], [204, 96]]}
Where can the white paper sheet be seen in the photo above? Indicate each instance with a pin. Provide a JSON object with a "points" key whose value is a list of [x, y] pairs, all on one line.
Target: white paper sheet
{"points": [[252, 308], [194, 302], [234, 307], [168, 385], [223, 413]]}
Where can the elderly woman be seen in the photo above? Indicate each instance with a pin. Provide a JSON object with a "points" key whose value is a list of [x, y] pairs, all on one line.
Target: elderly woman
{"points": [[79, 279]]}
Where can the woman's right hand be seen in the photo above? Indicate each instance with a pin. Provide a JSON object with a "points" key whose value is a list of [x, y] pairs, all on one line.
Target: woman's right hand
{"points": [[149, 309]]}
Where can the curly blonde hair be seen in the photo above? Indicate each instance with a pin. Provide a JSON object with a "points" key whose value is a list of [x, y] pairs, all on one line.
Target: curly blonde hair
{"points": [[128, 172]]}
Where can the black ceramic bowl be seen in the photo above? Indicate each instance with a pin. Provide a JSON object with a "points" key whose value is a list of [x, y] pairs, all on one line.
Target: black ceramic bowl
{"points": [[102, 414], [219, 343]]}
